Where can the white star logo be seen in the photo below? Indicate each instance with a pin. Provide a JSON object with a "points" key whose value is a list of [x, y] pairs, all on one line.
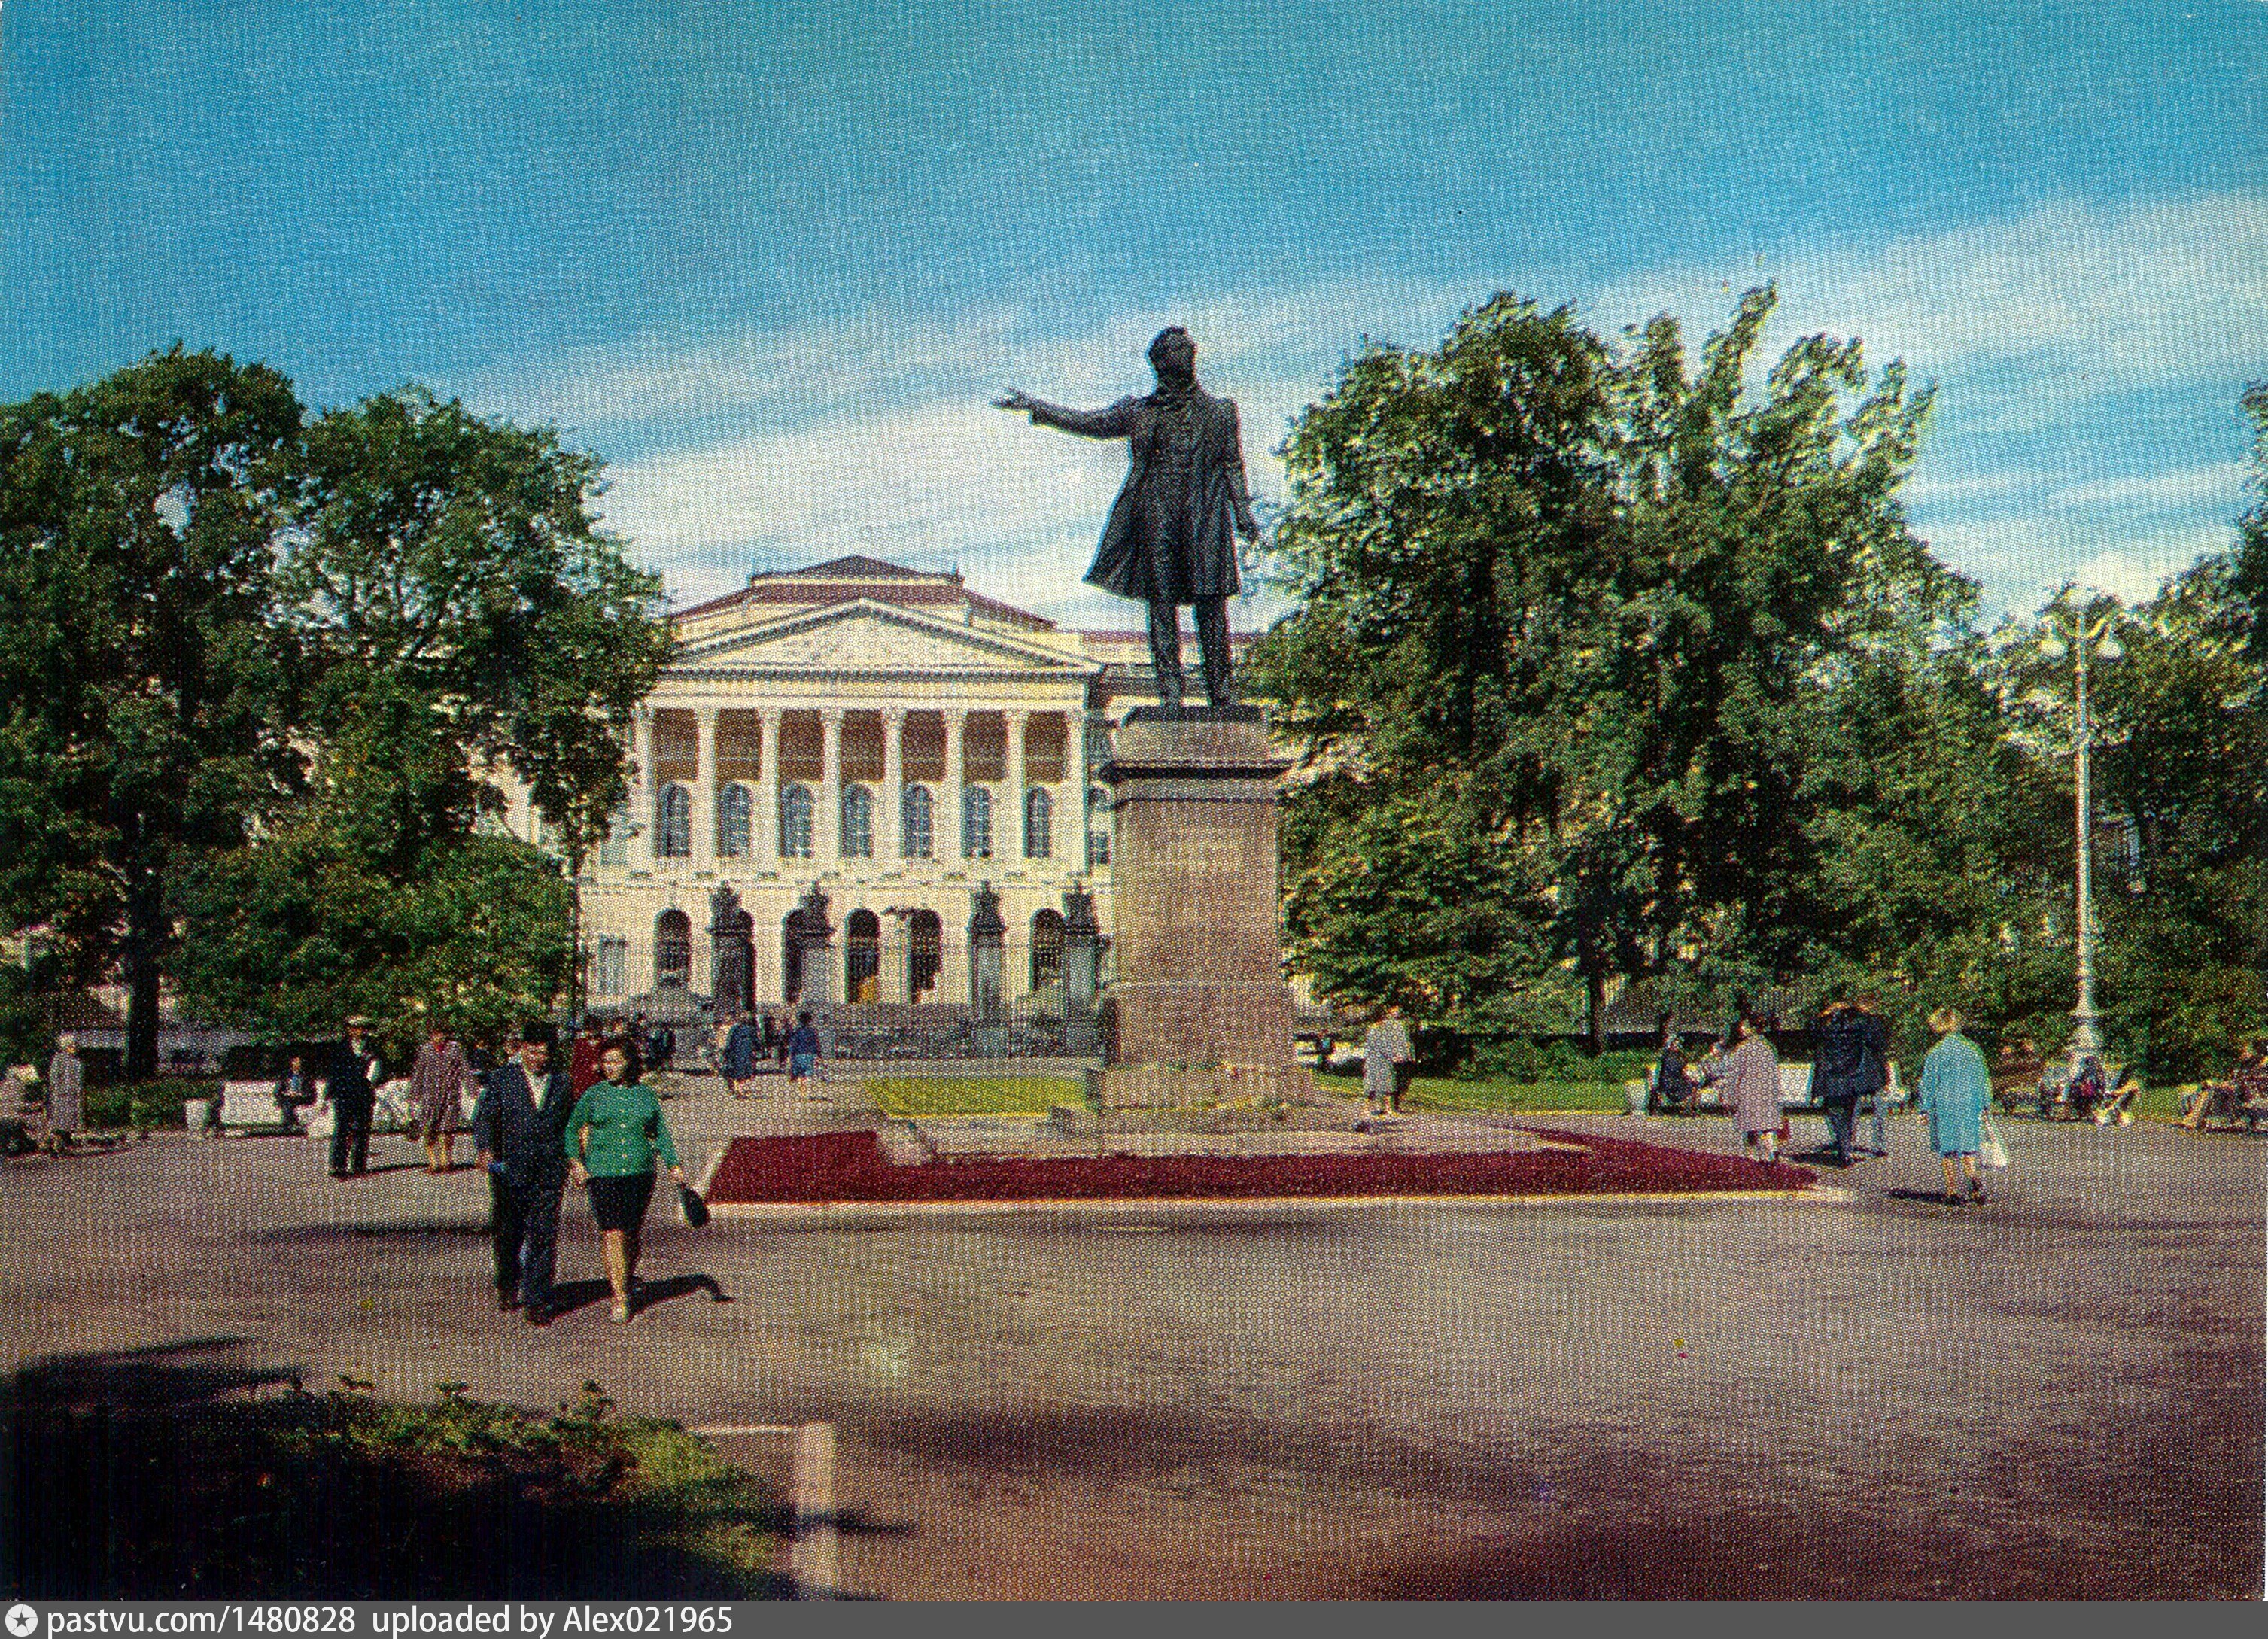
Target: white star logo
{"points": [[22, 1621]]}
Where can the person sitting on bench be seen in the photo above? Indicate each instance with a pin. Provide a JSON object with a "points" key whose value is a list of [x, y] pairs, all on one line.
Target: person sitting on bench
{"points": [[2229, 1099], [1674, 1087], [295, 1090]]}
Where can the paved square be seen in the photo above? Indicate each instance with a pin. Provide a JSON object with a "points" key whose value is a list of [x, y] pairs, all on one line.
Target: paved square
{"points": [[2058, 1393]]}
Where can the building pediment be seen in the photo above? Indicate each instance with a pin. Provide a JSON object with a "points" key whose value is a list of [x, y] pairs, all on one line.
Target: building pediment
{"points": [[866, 637]]}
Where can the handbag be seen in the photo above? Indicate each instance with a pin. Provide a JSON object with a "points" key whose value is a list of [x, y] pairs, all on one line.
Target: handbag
{"points": [[695, 1210], [1989, 1149]]}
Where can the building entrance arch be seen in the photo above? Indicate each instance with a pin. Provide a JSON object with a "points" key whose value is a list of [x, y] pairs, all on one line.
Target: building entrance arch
{"points": [[925, 953], [862, 957]]}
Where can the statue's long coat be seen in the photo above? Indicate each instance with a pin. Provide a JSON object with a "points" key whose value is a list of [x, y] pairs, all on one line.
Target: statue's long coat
{"points": [[1217, 498]]}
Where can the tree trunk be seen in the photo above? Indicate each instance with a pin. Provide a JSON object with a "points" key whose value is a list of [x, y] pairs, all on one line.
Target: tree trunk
{"points": [[1595, 982], [144, 932]]}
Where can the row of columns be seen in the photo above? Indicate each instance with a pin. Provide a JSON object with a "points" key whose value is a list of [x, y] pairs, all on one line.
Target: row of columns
{"points": [[1070, 797], [894, 952]]}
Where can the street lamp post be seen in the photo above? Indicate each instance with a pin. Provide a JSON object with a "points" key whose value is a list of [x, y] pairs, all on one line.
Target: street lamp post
{"points": [[2085, 639]]}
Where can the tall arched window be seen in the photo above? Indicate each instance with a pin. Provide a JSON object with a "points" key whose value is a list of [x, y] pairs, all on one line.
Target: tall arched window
{"points": [[857, 831], [672, 949], [795, 823], [1047, 948], [914, 814], [976, 822], [1097, 826], [615, 847], [1039, 823], [673, 823], [862, 957], [734, 808], [925, 952]]}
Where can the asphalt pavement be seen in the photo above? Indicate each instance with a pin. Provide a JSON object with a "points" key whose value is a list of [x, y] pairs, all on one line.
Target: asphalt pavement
{"points": [[2058, 1393]]}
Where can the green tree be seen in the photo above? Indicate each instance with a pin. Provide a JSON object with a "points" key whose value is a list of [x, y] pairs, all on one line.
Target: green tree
{"points": [[306, 929], [141, 675], [1611, 600], [460, 614], [454, 560], [2186, 918], [2245, 612]]}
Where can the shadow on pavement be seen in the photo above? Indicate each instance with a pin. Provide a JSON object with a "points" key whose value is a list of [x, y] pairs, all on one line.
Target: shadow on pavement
{"points": [[653, 1293]]}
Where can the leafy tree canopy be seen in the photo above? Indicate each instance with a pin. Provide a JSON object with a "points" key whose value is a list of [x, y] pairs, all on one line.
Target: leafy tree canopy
{"points": [[1610, 598]]}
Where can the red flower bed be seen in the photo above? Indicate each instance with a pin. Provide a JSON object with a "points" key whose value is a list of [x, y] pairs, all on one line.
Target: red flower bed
{"points": [[850, 1167]]}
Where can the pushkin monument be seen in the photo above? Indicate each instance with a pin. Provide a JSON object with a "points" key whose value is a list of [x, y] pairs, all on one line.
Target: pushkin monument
{"points": [[1194, 866]]}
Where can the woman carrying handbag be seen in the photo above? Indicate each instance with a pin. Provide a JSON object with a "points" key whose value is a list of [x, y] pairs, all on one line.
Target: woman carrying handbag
{"points": [[1957, 1089]]}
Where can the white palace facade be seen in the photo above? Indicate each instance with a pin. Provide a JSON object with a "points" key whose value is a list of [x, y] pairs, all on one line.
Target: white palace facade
{"points": [[885, 735]]}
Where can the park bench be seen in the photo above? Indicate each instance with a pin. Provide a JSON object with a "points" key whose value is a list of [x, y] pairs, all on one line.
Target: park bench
{"points": [[2243, 1098], [1794, 1089], [2017, 1086], [249, 1105]]}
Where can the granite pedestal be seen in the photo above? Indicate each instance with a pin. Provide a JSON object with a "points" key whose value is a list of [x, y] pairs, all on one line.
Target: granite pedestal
{"points": [[1199, 978]]}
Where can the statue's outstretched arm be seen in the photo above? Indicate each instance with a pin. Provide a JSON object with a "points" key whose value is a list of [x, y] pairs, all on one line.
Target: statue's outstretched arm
{"points": [[1116, 421]]}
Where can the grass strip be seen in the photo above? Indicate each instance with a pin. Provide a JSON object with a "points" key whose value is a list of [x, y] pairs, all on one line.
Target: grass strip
{"points": [[1432, 1093], [911, 1097]]}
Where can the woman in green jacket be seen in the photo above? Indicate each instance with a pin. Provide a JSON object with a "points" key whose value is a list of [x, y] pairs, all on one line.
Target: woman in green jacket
{"points": [[613, 1135]]}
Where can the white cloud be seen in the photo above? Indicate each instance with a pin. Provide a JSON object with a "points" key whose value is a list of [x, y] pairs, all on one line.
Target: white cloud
{"points": [[908, 461], [874, 434], [2023, 559], [877, 360], [2221, 484], [2080, 300], [1932, 490]]}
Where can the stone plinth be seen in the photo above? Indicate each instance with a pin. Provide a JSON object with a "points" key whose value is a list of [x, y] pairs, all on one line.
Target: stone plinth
{"points": [[1199, 978]]}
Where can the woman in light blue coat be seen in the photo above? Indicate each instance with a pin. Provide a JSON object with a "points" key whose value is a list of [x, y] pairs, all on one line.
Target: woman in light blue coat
{"points": [[1956, 1092]]}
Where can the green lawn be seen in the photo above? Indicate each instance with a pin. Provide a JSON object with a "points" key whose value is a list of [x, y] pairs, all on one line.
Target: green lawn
{"points": [[906, 1096], [1442, 1093]]}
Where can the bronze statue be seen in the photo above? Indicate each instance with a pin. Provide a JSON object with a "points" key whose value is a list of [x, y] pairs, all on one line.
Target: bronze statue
{"points": [[1171, 537]]}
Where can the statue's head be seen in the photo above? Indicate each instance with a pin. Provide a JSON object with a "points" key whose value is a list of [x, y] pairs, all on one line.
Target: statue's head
{"points": [[1173, 355]]}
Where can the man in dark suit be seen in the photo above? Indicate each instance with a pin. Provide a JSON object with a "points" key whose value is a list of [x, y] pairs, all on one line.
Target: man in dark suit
{"points": [[519, 1126], [352, 1091]]}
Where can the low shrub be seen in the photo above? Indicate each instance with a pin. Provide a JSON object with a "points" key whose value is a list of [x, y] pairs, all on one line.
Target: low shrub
{"points": [[144, 1103]]}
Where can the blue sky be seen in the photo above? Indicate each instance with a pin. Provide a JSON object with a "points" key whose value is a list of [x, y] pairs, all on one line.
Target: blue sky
{"points": [[769, 259]]}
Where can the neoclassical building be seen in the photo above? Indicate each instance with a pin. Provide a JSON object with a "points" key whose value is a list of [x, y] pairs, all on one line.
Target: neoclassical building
{"points": [[885, 735]]}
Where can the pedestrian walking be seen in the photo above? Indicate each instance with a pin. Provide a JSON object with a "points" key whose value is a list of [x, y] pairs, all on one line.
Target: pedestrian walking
{"points": [[1838, 1072], [1387, 1056], [438, 1077], [739, 1060], [1957, 1089], [66, 1094], [613, 1135], [1751, 1077], [351, 1092], [802, 1049], [1875, 1076], [519, 1127], [582, 1059]]}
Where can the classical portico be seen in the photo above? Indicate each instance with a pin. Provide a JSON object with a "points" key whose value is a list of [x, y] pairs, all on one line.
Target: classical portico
{"points": [[885, 736]]}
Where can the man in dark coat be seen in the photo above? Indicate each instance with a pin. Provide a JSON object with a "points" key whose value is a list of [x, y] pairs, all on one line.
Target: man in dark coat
{"points": [[519, 1126], [1874, 1071], [1840, 1073], [1171, 537], [352, 1092]]}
